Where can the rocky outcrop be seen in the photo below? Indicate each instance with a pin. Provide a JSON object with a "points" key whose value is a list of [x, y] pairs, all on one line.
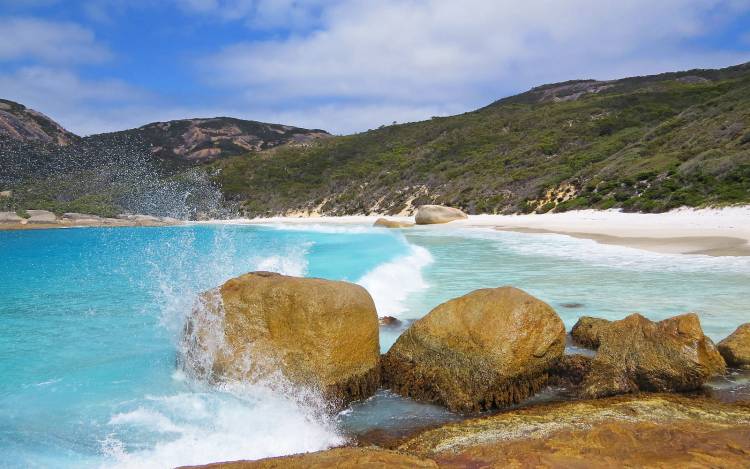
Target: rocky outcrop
{"points": [[636, 354], [386, 223], [202, 140], [433, 214], [41, 217], [488, 349], [389, 321], [10, 217], [736, 348], [633, 431], [17, 122], [586, 331], [320, 334], [341, 458]]}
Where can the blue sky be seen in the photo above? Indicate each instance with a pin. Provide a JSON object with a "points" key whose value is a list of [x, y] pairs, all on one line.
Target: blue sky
{"points": [[343, 66]]}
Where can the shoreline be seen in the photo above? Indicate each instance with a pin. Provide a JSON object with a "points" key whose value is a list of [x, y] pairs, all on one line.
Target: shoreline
{"points": [[711, 232]]}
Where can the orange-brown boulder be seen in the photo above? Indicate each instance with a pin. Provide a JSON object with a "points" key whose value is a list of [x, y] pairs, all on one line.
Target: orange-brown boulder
{"points": [[636, 354], [318, 333], [736, 348], [488, 349]]}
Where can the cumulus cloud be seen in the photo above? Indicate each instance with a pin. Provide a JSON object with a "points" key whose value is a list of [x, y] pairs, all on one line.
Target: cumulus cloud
{"points": [[49, 41], [427, 54]]}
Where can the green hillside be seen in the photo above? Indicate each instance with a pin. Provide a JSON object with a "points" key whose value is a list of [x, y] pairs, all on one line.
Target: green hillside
{"points": [[643, 144]]}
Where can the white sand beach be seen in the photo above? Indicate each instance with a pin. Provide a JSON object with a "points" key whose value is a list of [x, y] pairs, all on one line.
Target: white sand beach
{"points": [[715, 232]]}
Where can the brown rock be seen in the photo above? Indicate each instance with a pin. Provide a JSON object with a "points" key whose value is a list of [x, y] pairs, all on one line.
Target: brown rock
{"points": [[736, 348], [659, 431], [488, 349], [343, 458], [570, 370], [636, 354], [432, 214], [586, 331], [318, 333], [386, 223], [390, 321]]}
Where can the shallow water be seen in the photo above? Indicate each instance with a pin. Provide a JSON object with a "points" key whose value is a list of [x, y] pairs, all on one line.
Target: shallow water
{"points": [[90, 321]]}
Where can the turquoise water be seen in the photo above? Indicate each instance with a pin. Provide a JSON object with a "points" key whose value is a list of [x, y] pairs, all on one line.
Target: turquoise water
{"points": [[90, 320]]}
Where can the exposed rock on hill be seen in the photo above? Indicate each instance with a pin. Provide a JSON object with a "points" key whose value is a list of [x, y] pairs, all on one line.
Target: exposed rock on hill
{"points": [[20, 123], [200, 140]]}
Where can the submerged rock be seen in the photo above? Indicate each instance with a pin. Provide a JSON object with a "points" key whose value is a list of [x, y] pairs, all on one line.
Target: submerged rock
{"points": [[636, 354], [586, 331], [631, 431], [342, 458], [321, 334], [386, 223], [488, 349], [389, 321], [432, 214], [736, 348]]}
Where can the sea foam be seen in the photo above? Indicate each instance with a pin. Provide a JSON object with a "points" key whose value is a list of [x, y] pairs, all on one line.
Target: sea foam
{"points": [[391, 283]]}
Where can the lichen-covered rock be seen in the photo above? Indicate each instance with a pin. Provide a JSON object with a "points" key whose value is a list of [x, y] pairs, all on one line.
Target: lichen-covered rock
{"points": [[386, 223], [736, 348], [432, 214], [321, 334], [586, 331], [636, 354], [342, 458], [488, 349], [656, 430]]}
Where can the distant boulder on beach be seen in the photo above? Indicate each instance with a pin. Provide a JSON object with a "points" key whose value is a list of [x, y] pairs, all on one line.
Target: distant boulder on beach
{"points": [[488, 349], [386, 223], [434, 214], [320, 334]]}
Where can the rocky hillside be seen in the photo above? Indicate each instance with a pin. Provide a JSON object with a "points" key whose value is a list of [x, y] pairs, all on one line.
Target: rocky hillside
{"points": [[201, 140], [645, 144], [20, 123], [155, 169]]}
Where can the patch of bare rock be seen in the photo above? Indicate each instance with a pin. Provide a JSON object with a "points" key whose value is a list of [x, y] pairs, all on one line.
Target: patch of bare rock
{"points": [[386, 223], [37, 219]]}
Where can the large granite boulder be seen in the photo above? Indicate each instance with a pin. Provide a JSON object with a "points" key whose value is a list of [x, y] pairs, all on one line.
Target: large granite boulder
{"points": [[320, 334], [386, 223], [41, 217], [432, 214], [636, 354], [488, 349], [586, 331], [736, 348]]}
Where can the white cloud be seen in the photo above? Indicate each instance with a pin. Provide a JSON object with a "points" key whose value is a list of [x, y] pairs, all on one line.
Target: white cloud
{"points": [[391, 54], [49, 41]]}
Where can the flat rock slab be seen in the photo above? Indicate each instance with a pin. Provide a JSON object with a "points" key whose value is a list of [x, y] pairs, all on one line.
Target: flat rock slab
{"points": [[10, 217], [41, 216]]}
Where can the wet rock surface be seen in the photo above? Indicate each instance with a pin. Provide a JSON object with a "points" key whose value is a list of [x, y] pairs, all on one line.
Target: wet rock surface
{"points": [[318, 333], [488, 349], [736, 348]]}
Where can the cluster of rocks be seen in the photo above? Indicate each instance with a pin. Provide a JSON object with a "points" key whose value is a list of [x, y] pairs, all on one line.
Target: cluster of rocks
{"points": [[47, 219], [488, 349], [426, 215]]}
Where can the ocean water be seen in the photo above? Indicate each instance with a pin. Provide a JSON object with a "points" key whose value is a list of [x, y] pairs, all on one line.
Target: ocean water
{"points": [[90, 321]]}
